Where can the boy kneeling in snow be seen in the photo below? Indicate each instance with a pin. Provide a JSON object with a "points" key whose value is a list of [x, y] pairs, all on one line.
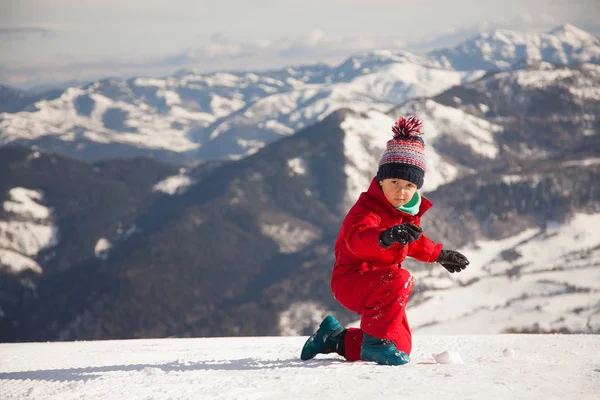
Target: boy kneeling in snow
{"points": [[378, 233]]}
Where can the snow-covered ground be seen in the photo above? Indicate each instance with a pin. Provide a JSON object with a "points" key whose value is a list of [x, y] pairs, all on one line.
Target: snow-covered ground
{"points": [[495, 367]]}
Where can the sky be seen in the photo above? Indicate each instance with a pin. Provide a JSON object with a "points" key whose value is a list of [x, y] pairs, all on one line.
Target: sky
{"points": [[494, 367], [57, 40]]}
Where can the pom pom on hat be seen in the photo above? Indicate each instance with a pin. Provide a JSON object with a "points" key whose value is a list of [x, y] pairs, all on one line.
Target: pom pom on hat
{"points": [[404, 156], [407, 127]]}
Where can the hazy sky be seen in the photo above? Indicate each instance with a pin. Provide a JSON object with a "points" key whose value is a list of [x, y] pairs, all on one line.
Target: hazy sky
{"points": [[46, 40]]}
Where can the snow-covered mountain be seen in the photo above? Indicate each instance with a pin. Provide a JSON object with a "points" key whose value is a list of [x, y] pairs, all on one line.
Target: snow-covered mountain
{"points": [[221, 115], [269, 222], [533, 244], [193, 116], [502, 49], [541, 279], [512, 168]]}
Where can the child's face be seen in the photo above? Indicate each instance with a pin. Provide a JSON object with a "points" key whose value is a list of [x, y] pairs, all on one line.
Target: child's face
{"points": [[398, 191]]}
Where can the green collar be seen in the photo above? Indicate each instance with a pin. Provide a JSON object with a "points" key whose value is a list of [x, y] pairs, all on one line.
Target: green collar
{"points": [[412, 207]]}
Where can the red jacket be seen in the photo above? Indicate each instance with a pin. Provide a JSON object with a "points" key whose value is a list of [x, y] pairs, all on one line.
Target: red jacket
{"points": [[357, 246]]}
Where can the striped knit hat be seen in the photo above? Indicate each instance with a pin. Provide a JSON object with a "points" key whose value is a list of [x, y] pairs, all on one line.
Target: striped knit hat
{"points": [[404, 156]]}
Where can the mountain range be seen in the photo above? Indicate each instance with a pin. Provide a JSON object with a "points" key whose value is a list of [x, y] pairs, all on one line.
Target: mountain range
{"points": [[208, 204], [192, 116]]}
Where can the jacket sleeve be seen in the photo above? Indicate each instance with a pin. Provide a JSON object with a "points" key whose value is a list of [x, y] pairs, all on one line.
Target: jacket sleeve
{"points": [[362, 233], [424, 249]]}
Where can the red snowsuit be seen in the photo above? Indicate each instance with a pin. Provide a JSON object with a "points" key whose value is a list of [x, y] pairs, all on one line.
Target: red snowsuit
{"points": [[369, 279]]}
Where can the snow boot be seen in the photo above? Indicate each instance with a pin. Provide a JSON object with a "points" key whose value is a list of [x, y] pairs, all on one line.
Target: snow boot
{"points": [[329, 338], [381, 351]]}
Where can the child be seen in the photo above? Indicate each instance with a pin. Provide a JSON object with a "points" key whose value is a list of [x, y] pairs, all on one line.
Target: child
{"points": [[378, 233]]}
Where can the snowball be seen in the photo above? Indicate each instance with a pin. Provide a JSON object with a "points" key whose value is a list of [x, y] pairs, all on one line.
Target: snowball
{"points": [[508, 353], [448, 357]]}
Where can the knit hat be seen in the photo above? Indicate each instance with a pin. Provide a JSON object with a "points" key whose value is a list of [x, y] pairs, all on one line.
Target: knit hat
{"points": [[404, 156]]}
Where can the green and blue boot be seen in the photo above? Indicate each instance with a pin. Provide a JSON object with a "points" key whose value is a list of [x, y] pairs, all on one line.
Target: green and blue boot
{"points": [[329, 338], [382, 351]]}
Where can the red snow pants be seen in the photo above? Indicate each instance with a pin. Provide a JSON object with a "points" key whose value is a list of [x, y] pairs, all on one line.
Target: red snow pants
{"points": [[379, 296]]}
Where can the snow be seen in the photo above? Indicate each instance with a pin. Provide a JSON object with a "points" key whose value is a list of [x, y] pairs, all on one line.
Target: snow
{"points": [[574, 36], [27, 231], [152, 82], [101, 104], [287, 111], [59, 118], [221, 106], [367, 134], [102, 248], [439, 121], [240, 102], [300, 316], [448, 357], [553, 367], [535, 79], [175, 184], [533, 180], [400, 81], [181, 114], [26, 237], [475, 132], [277, 127], [586, 93], [503, 48], [171, 97], [252, 145], [223, 79], [272, 107], [17, 262], [582, 163], [364, 142], [297, 166], [26, 203], [291, 238], [508, 352], [554, 283]]}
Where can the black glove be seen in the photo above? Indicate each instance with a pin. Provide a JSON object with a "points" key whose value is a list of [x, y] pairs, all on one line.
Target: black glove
{"points": [[452, 260], [403, 234]]}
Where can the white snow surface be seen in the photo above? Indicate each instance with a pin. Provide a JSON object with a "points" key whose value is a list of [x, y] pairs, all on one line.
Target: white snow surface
{"points": [[543, 367]]}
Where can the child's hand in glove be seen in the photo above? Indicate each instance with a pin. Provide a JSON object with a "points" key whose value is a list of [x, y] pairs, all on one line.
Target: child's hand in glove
{"points": [[452, 260], [403, 234]]}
